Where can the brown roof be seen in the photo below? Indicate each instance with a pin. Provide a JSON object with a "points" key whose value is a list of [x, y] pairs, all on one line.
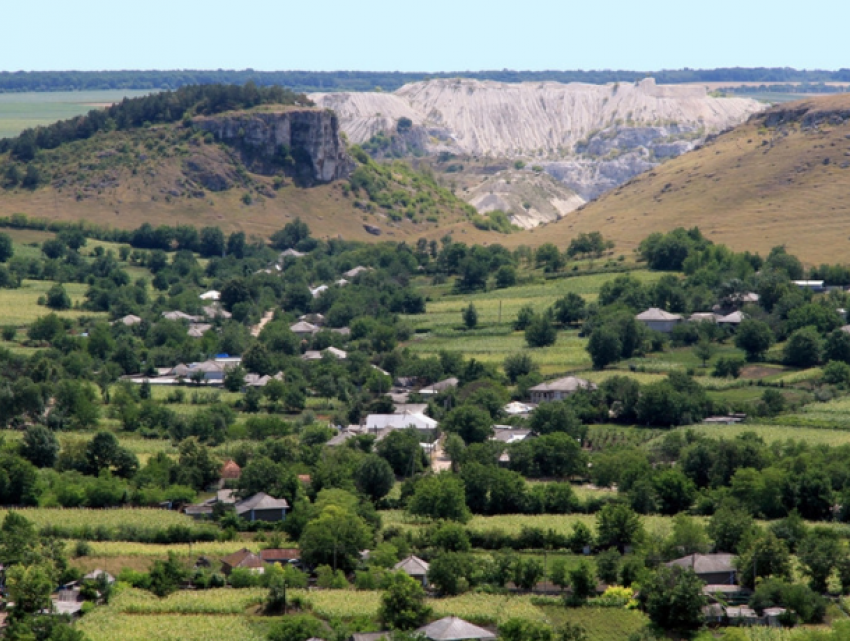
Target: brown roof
{"points": [[275, 554], [243, 558], [231, 470]]}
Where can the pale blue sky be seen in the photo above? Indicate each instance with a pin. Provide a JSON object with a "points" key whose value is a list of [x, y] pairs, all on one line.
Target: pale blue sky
{"points": [[437, 35]]}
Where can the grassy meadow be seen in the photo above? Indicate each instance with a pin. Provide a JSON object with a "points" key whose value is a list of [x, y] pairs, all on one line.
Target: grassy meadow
{"points": [[19, 111]]}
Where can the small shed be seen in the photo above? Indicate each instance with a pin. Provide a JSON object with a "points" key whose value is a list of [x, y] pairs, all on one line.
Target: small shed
{"points": [[245, 559], [658, 320], [415, 567]]}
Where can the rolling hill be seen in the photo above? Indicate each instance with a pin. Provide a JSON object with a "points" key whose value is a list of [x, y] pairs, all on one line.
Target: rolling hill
{"points": [[248, 169], [591, 138], [781, 178]]}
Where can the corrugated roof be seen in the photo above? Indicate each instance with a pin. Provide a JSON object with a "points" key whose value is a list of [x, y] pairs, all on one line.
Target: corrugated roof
{"points": [[273, 554], [261, 501]]}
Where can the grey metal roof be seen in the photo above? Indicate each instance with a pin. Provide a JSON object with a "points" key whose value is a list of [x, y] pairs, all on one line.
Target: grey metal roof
{"points": [[400, 421], [454, 629], [261, 501], [412, 565], [656, 314], [706, 563], [734, 318], [303, 327], [566, 384]]}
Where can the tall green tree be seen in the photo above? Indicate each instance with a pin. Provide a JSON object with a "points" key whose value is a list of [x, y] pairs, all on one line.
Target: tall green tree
{"points": [[403, 603]]}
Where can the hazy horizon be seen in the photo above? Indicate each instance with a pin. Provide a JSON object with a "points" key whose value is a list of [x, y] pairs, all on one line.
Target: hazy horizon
{"points": [[379, 35]]}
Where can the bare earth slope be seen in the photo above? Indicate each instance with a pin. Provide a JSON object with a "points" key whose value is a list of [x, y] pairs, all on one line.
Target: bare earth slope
{"points": [[782, 178], [592, 138], [506, 119]]}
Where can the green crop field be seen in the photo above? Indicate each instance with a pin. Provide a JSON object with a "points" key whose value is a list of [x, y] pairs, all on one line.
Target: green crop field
{"points": [[107, 518], [105, 624], [601, 624], [19, 111], [20, 306], [445, 312], [771, 433], [513, 523], [489, 346]]}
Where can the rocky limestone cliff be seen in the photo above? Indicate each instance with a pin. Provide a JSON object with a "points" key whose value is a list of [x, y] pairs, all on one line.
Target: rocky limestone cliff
{"points": [[304, 141], [591, 137]]}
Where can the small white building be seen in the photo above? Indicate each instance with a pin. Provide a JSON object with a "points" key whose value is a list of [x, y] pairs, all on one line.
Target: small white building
{"points": [[658, 320], [559, 389], [400, 422], [211, 295]]}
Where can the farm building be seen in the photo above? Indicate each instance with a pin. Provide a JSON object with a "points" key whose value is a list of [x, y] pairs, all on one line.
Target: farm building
{"points": [[436, 388], [280, 555], [714, 569], [658, 320], [245, 559], [262, 507], [400, 422], [559, 389], [303, 329], [415, 567], [731, 320]]}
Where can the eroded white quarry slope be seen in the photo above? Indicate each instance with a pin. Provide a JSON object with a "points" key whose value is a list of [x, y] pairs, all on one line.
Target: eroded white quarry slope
{"points": [[511, 119]]}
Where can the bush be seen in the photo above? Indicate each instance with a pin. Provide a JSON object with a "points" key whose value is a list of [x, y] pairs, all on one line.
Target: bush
{"points": [[728, 366]]}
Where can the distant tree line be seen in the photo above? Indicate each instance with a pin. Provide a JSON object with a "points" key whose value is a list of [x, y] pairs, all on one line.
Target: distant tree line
{"points": [[304, 81], [159, 108]]}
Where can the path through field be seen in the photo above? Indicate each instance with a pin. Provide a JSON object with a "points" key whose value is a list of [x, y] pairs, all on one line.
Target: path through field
{"points": [[439, 461], [256, 329]]}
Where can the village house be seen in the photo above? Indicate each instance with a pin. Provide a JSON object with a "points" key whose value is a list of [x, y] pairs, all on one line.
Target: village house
{"points": [[180, 316], [559, 389], [262, 507], [714, 569], [129, 320], [454, 629], [414, 567], [245, 559], [421, 422], [658, 320], [436, 388], [303, 329]]}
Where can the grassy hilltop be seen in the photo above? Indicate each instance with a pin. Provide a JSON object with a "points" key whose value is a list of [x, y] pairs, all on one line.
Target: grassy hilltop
{"points": [[779, 179], [146, 160]]}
